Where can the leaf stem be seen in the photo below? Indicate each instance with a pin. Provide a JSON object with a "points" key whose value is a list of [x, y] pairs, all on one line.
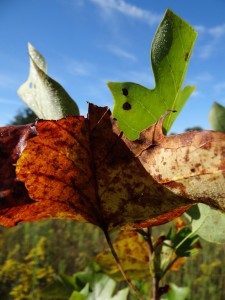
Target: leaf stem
{"points": [[133, 287], [155, 277]]}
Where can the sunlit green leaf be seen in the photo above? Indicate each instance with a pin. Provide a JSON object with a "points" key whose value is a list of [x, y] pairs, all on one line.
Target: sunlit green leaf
{"points": [[217, 117], [103, 289], [208, 223], [82, 295], [46, 97], [177, 293], [136, 107]]}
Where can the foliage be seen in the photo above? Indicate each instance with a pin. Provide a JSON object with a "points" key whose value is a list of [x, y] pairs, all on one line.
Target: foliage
{"points": [[177, 293], [209, 222], [95, 171], [46, 97], [24, 278], [217, 117], [88, 284], [24, 117], [136, 107], [197, 128]]}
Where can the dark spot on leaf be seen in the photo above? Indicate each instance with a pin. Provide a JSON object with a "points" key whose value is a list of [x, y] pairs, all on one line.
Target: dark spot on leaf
{"points": [[193, 170], [125, 91], [186, 56], [197, 165], [126, 106]]}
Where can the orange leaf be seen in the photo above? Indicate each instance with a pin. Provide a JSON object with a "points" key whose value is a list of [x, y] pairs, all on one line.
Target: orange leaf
{"points": [[178, 263], [81, 169]]}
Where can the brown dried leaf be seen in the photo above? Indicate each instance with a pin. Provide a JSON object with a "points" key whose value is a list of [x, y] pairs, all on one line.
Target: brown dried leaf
{"points": [[81, 169], [132, 251], [191, 164]]}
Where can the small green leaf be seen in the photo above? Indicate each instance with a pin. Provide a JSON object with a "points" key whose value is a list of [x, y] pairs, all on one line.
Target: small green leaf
{"points": [[61, 287], [137, 107], [177, 293], [46, 97], [104, 287], [166, 254], [217, 117], [208, 223], [82, 295], [184, 241]]}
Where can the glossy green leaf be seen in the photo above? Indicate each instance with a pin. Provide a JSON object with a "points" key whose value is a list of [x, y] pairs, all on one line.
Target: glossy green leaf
{"points": [[136, 107], [208, 223], [217, 117], [46, 97], [177, 293]]}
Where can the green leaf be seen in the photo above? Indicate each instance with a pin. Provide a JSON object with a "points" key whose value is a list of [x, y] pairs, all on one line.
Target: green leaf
{"points": [[217, 117], [184, 241], [82, 295], [177, 293], [165, 254], [77, 296], [208, 223], [104, 287], [46, 97], [61, 287], [137, 107], [82, 278]]}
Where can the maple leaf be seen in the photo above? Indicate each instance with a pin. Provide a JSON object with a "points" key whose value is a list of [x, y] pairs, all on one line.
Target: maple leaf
{"points": [[81, 169]]}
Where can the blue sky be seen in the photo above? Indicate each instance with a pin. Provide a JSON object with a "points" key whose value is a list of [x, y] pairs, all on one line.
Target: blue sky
{"points": [[89, 42]]}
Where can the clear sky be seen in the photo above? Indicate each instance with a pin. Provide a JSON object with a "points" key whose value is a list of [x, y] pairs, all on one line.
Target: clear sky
{"points": [[89, 42]]}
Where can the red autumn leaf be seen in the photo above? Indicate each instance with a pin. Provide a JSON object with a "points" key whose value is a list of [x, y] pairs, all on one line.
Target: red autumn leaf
{"points": [[12, 192], [81, 169]]}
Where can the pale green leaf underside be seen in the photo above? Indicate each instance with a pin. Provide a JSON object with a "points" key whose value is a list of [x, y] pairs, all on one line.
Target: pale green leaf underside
{"points": [[208, 223], [104, 287], [177, 293], [217, 117], [46, 97], [137, 107]]}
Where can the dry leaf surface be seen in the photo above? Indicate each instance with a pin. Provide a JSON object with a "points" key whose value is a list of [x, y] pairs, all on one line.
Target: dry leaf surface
{"points": [[191, 164], [84, 169]]}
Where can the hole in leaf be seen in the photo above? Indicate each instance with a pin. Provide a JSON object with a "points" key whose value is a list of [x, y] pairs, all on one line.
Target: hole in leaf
{"points": [[30, 85], [126, 106]]}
